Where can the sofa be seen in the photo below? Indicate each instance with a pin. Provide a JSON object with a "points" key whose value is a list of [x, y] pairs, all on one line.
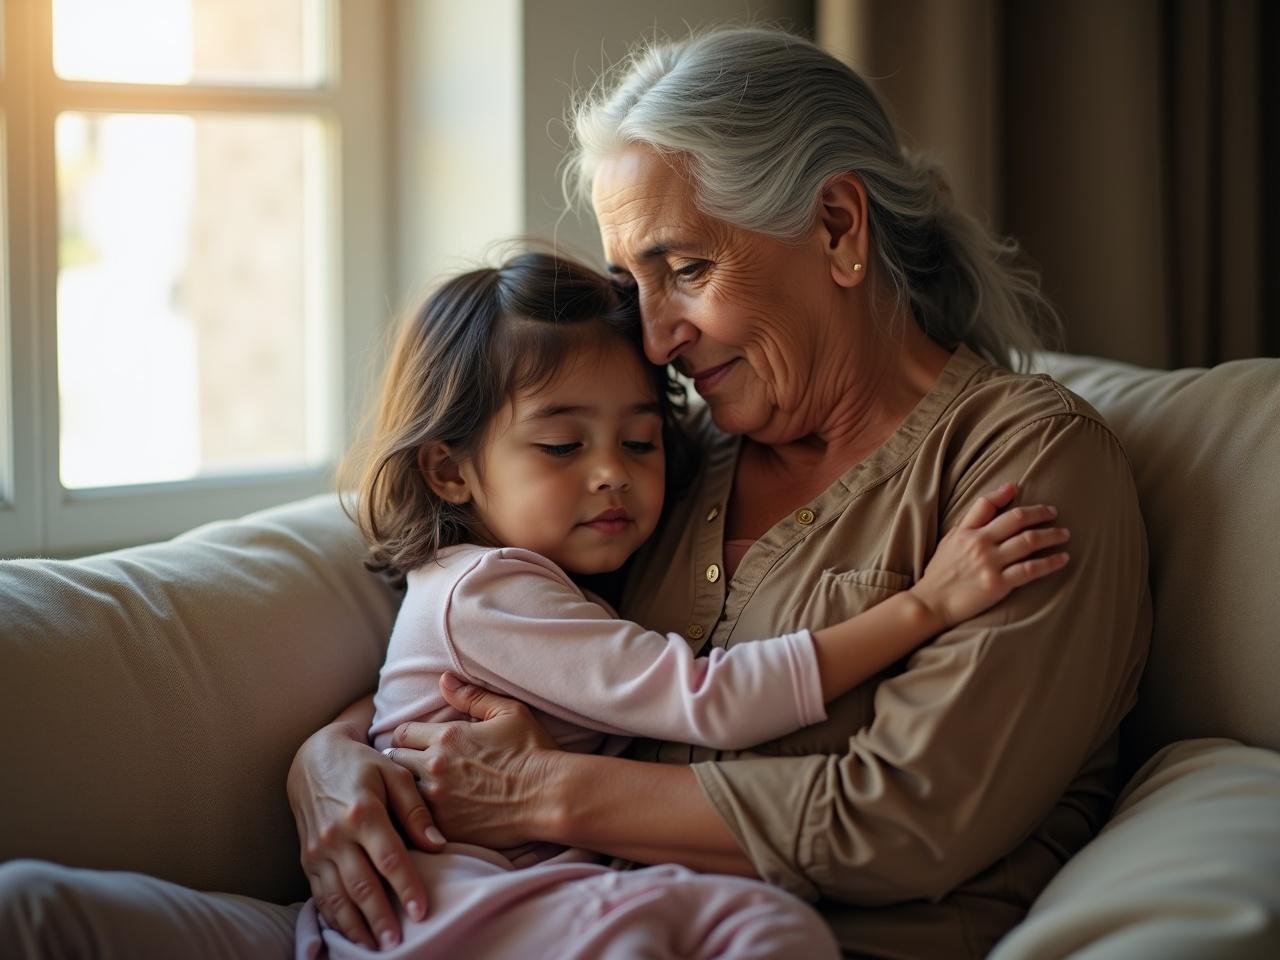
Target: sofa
{"points": [[151, 699]]}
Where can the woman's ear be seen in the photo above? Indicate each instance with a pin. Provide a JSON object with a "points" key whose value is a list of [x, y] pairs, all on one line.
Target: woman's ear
{"points": [[443, 473], [843, 228]]}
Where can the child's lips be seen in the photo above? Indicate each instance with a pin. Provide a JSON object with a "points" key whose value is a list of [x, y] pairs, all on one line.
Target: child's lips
{"points": [[610, 522]]}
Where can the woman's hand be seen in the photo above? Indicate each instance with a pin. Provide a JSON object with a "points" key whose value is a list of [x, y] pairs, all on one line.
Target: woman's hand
{"points": [[340, 790], [483, 780], [985, 557]]}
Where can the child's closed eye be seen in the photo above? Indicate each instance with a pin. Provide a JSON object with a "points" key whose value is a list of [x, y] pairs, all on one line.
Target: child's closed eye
{"points": [[558, 449], [640, 446]]}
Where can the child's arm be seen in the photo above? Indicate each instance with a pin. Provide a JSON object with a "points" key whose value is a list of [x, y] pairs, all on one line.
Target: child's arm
{"points": [[517, 627], [977, 564]]}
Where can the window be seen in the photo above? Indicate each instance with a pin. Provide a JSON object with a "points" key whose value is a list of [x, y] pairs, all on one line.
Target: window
{"points": [[195, 259]]}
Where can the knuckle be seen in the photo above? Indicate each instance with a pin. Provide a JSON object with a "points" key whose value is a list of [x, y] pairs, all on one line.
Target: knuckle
{"points": [[435, 765], [389, 862], [357, 813], [450, 737], [312, 852], [433, 790], [326, 838], [360, 888], [332, 904]]}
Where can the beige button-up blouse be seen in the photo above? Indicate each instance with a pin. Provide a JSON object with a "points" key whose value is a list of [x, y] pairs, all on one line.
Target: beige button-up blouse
{"points": [[938, 798]]}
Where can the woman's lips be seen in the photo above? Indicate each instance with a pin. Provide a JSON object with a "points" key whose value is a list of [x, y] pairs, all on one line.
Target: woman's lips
{"points": [[705, 380]]}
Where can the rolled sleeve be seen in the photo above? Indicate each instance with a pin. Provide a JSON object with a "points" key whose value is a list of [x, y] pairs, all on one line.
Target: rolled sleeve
{"points": [[985, 730]]}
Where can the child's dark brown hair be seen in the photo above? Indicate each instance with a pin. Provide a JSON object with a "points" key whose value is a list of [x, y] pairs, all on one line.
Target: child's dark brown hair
{"points": [[476, 342]]}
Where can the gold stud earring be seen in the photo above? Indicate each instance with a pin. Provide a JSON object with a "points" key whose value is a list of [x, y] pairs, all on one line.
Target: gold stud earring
{"points": [[857, 267]]}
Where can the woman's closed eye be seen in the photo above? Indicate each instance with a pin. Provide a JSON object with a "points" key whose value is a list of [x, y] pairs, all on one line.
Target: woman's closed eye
{"points": [[558, 449], [691, 270]]}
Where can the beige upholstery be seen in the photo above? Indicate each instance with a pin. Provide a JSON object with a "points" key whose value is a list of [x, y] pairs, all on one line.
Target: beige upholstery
{"points": [[1205, 449], [151, 699], [1188, 867]]}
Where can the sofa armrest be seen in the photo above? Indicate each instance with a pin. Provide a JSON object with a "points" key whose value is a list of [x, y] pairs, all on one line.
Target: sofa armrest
{"points": [[1188, 866], [152, 699]]}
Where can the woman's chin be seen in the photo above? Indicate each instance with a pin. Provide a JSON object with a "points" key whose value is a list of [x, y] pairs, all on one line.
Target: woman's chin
{"points": [[737, 417]]}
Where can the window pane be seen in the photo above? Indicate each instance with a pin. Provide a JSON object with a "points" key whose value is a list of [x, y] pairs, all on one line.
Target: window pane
{"points": [[273, 42], [6, 350], [191, 334]]}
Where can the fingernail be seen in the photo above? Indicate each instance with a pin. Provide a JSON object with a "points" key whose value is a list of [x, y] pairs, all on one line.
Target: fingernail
{"points": [[434, 835], [415, 909], [387, 752], [387, 939], [450, 681], [1053, 511]]}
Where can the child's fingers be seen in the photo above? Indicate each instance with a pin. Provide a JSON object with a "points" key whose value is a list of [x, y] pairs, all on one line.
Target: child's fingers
{"points": [[1019, 518], [987, 506], [1023, 573], [1029, 541]]}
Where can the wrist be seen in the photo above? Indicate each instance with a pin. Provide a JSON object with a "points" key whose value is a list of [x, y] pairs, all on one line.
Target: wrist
{"points": [[551, 815], [922, 615]]}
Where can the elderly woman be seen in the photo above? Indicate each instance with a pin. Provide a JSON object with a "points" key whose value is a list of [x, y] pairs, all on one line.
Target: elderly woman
{"points": [[851, 335]]}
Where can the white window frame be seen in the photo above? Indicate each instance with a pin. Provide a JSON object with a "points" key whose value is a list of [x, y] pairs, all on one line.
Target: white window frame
{"points": [[38, 516]]}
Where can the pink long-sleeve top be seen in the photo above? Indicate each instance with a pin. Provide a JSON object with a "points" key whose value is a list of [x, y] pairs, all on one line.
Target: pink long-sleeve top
{"points": [[513, 622]]}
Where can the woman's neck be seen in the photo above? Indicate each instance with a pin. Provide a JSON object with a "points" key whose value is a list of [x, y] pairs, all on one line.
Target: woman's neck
{"points": [[773, 480], [865, 403]]}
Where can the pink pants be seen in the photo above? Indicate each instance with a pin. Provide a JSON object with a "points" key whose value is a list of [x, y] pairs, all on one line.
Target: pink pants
{"points": [[481, 907]]}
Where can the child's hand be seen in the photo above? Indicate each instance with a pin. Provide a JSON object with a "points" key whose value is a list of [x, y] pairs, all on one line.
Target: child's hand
{"points": [[980, 561]]}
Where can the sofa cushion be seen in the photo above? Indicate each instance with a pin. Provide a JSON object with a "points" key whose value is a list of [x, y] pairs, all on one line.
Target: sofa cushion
{"points": [[152, 698], [1187, 867], [1205, 448]]}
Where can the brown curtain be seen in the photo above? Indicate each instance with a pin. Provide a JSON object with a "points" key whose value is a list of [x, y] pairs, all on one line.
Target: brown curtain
{"points": [[1124, 145]]}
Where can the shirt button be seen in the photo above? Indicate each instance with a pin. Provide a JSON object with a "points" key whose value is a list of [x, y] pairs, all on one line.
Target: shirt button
{"points": [[804, 516], [695, 631], [713, 573], [713, 513]]}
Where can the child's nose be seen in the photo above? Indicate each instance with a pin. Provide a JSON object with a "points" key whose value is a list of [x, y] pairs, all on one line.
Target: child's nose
{"points": [[611, 474]]}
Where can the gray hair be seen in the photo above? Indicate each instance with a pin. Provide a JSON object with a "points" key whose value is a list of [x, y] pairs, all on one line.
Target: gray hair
{"points": [[766, 120]]}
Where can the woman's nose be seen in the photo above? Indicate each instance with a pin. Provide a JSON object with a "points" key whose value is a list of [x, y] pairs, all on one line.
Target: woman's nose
{"points": [[666, 332]]}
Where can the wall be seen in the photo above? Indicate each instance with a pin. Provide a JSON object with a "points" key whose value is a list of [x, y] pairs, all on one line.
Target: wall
{"points": [[482, 90]]}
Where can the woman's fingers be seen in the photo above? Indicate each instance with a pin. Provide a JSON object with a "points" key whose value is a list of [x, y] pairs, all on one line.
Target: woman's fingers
{"points": [[363, 885], [402, 791], [337, 908], [392, 860], [475, 701], [414, 736], [987, 506]]}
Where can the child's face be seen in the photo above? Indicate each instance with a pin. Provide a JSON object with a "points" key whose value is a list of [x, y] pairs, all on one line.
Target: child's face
{"points": [[575, 471]]}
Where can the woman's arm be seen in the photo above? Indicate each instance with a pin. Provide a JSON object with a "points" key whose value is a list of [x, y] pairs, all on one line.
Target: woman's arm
{"points": [[502, 782], [977, 564]]}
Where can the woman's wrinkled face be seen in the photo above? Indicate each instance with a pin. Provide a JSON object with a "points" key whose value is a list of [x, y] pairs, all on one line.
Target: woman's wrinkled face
{"points": [[746, 316]]}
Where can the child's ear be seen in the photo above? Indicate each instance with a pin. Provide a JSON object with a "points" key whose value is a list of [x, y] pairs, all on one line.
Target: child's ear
{"points": [[443, 474]]}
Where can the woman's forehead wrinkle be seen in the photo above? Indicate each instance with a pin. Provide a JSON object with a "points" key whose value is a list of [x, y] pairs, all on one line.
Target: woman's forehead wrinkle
{"points": [[641, 205]]}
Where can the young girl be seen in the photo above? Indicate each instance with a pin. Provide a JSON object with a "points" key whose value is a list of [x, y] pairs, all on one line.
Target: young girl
{"points": [[523, 446]]}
